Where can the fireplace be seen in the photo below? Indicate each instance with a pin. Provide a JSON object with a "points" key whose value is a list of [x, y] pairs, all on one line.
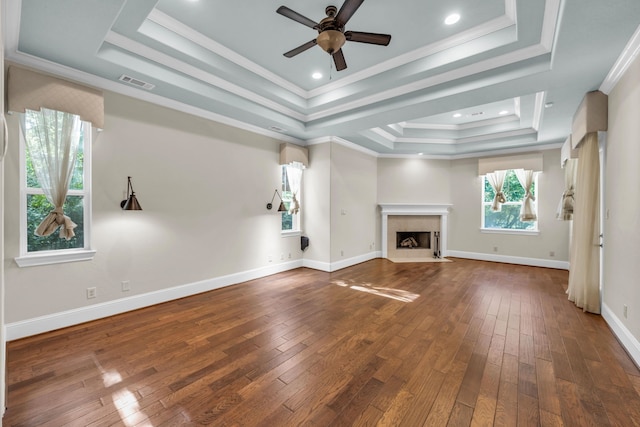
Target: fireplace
{"points": [[426, 224], [413, 240]]}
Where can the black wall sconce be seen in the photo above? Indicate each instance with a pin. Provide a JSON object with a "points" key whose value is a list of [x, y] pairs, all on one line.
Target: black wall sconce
{"points": [[282, 207], [131, 202]]}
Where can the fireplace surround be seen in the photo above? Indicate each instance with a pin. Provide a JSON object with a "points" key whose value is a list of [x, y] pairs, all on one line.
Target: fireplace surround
{"points": [[403, 218]]}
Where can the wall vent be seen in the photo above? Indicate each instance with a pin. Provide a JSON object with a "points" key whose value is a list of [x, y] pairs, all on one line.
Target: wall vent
{"points": [[136, 82]]}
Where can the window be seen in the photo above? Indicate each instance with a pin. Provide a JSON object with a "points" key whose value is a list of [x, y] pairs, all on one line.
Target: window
{"points": [[290, 221], [508, 218], [37, 250]]}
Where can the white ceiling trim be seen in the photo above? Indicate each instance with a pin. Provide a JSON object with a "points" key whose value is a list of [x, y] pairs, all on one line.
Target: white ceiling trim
{"points": [[200, 39], [196, 73], [505, 21], [537, 111], [478, 67], [628, 55], [471, 125], [475, 155], [550, 23], [120, 88], [341, 141], [454, 141]]}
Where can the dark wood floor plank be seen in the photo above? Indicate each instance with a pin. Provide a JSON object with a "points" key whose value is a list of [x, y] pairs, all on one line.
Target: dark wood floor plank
{"points": [[479, 344]]}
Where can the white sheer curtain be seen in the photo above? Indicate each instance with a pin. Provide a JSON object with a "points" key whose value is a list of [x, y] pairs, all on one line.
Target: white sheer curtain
{"points": [[565, 208], [496, 179], [584, 274], [52, 138], [294, 178], [525, 178]]}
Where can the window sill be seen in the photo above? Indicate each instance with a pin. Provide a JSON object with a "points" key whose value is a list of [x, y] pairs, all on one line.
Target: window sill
{"points": [[505, 231], [55, 257], [291, 233]]}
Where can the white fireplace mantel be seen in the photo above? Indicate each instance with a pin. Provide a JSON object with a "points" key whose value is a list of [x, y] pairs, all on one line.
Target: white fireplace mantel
{"points": [[437, 209]]}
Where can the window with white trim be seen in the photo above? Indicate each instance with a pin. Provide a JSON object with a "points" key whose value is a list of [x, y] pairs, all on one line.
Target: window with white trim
{"points": [[508, 217], [34, 205], [290, 220]]}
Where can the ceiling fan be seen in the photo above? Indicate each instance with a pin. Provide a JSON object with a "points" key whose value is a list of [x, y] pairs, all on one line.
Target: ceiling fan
{"points": [[331, 33]]}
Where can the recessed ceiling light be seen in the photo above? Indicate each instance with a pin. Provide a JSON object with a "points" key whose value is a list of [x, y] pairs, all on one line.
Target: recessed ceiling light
{"points": [[457, 115], [452, 19], [503, 112], [548, 105], [316, 75], [420, 154]]}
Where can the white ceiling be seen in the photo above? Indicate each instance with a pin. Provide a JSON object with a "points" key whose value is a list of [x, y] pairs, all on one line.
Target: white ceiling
{"points": [[496, 69]]}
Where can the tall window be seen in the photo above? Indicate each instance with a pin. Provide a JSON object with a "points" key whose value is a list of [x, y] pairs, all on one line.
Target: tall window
{"points": [[290, 220], [508, 217], [36, 149]]}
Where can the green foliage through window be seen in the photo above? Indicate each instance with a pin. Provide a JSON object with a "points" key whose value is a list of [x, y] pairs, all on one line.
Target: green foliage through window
{"points": [[508, 218], [287, 218], [38, 207]]}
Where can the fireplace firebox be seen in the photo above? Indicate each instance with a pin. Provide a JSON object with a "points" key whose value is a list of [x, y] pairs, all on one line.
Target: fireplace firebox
{"points": [[413, 240]]}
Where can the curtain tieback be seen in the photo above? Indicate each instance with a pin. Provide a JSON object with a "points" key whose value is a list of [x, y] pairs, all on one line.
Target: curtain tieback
{"points": [[530, 196], [55, 219], [294, 206], [567, 194], [500, 197]]}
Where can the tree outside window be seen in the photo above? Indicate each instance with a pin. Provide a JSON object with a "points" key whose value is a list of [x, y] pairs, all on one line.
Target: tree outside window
{"points": [[508, 218]]}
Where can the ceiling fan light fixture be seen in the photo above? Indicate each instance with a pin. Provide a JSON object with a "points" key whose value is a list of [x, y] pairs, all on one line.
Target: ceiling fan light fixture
{"points": [[331, 41]]}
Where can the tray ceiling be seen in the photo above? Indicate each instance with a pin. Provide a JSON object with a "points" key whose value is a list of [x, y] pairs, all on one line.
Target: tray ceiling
{"points": [[508, 76]]}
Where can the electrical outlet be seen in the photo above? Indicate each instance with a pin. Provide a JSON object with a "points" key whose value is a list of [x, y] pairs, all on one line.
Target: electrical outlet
{"points": [[289, 255], [624, 310], [495, 249], [341, 253], [270, 258], [552, 254], [91, 293], [126, 286]]}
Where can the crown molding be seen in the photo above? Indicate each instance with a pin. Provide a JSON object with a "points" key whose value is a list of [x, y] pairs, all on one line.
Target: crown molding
{"points": [[628, 55]]}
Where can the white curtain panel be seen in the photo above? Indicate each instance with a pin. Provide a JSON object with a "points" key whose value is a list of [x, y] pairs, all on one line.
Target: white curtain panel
{"points": [[584, 273], [527, 212], [294, 178], [52, 138], [496, 180], [565, 207]]}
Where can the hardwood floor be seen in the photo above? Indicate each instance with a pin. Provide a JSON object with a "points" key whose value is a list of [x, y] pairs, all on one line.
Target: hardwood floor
{"points": [[461, 343]]}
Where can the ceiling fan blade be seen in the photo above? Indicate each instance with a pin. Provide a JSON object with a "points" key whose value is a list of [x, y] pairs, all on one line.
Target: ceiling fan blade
{"points": [[285, 11], [372, 38], [347, 10], [301, 48], [338, 59]]}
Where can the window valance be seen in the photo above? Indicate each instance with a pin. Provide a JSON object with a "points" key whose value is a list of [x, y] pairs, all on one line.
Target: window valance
{"points": [[290, 153], [523, 161], [592, 116], [31, 90], [567, 152]]}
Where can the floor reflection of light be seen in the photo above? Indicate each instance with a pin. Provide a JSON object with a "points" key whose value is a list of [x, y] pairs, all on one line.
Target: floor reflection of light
{"points": [[396, 294], [124, 401]]}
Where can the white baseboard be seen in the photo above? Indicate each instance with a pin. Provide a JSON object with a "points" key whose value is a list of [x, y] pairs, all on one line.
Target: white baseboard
{"points": [[38, 325], [534, 262], [626, 338], [335, 266]]}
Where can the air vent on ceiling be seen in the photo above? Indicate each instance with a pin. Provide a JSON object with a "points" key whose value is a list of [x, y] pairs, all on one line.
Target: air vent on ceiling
{"points": [[136, 82], [277, 129], [478, 113]]}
